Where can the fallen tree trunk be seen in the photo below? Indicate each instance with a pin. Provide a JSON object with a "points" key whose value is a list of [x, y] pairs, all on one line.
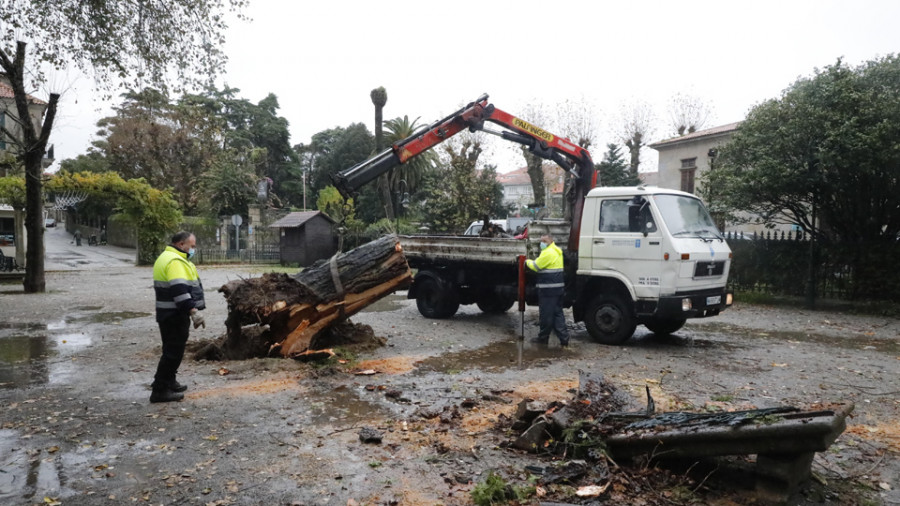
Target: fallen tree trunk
{"points": [[297, 309]]}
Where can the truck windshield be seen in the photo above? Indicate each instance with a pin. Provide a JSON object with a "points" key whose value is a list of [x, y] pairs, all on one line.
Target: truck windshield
{"points": [[686, 216]]}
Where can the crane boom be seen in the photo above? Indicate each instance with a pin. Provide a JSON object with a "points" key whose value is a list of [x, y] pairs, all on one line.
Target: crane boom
{"points": [[568, 155]]}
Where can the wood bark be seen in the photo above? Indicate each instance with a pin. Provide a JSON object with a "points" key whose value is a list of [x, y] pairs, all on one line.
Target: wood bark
{"points": [[31, 146], [297, 309]]}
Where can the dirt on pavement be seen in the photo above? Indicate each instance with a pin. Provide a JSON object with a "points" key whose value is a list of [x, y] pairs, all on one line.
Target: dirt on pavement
{"points": [[77, 427]]}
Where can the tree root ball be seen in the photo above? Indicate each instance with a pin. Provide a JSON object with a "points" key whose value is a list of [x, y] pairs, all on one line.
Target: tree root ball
{"points": [[256, 342]]}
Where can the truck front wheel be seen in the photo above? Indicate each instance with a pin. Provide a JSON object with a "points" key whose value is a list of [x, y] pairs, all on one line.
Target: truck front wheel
{"points": [[664, 326], [435, 301], [609, 319]]}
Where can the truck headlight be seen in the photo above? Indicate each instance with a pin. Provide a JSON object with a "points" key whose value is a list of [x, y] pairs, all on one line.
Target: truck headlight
{"points": [[686, 304]]}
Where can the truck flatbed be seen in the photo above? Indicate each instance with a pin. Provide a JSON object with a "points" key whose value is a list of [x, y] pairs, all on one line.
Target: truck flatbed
{"points": [[457, 248]]}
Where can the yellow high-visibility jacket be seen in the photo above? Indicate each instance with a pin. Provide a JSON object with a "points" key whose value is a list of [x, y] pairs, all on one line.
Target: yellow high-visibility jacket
{"points": [[176, 283], [549, 266]]}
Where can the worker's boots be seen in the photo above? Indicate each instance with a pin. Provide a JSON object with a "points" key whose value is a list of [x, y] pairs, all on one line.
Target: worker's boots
{"points": [[165, 395], [177, 387]]}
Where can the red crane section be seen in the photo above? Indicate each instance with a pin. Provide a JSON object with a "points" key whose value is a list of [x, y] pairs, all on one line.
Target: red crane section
{"points": [[568, 155]]}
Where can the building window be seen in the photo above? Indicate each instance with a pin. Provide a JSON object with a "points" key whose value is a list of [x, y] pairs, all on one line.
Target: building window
{"points": [[687, 180], [689, 163]]}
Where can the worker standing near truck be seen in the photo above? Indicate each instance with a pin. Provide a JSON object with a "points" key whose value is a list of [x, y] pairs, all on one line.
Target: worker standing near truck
{"points": [[551, 287]]}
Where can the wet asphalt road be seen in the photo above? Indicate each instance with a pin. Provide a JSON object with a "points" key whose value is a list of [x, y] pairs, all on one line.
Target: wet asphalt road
{"points": [[76, 362], [63, 255]]}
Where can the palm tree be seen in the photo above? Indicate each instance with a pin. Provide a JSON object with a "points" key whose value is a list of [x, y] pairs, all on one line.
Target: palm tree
{"points": [[415, 169], [379, 99]]}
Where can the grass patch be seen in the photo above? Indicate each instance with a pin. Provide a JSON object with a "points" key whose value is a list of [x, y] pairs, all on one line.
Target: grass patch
{"points": [[495, 490], [723, 398]]}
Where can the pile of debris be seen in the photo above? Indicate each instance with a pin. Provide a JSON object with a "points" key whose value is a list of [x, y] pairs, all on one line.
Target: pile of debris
{"points": [[594, 429]]}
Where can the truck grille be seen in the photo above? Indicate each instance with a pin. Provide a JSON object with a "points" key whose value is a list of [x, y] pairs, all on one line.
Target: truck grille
{"points": [[707, 269]]}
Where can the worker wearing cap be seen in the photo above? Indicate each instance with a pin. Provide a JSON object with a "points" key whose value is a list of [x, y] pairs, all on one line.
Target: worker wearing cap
{"points": [[551, 288]]}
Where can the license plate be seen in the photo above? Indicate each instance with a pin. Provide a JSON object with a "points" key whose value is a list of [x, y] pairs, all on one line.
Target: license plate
{"points": [[712, 301]]}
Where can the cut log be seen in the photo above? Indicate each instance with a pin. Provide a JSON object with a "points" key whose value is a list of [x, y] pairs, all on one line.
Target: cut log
{"points": [[297, 309]]}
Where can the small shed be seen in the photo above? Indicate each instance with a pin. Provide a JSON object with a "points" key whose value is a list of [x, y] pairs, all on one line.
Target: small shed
{"points": [[306, 236]]}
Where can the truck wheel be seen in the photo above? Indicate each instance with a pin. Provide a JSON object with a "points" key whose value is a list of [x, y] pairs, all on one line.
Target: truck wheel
{"points": [[664, 326], [434, 301], [609, 319], [494, 304]]}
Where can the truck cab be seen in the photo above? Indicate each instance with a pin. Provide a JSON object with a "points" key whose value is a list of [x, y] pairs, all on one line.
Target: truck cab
{"points": [[653, 256]]}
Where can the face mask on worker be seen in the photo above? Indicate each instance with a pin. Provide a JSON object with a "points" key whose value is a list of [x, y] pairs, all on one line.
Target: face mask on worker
{"points": [[544, 246], [190, 253]]}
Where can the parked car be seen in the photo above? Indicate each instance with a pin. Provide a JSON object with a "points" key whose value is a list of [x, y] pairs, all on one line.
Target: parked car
{"points": [[510, 225], [49, 223], [476, 226]]}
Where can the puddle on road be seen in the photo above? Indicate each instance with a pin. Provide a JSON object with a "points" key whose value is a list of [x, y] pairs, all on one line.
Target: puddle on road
{"points": [[343, 405], [494, 357], [389, 303], [111, 317], [850, 341], [682, 339], [23, 478], [25, 327], [34, 353]]}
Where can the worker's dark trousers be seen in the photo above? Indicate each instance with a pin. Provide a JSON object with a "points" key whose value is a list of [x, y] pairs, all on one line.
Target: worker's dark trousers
{"points": [[552, 316], [174, 331]]}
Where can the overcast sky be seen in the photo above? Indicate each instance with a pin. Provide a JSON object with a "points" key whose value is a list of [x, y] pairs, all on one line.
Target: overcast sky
{"points": [[321, 59]]}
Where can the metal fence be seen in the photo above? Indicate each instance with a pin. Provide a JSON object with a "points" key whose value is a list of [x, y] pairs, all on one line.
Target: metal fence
{"points": [[780, 264], [263, 254]]}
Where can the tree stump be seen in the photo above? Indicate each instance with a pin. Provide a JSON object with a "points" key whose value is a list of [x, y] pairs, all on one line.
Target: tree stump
{"points": [[278, 313]]}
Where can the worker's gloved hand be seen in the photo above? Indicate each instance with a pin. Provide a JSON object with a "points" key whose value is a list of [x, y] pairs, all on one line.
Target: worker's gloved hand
{"points": [[198, 320]]}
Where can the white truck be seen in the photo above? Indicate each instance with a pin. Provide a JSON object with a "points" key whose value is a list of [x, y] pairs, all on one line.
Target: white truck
{"points": [[633, 255]]}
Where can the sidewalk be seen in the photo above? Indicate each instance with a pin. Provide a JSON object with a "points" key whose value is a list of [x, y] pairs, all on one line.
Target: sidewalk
{"points": [[61, 254]]}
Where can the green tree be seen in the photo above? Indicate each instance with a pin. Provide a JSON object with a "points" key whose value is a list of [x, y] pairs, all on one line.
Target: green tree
{"points": [[415, 169], [168, 144], [337, 149], [153, 212], [332, 203], [613, 170], [462, 193], [12, 191], [824, 156], [122, 41], [229, 186], [249, 126], [92, 161]]}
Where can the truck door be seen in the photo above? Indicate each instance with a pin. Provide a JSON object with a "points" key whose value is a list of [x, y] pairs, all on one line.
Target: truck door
{"points": [[619, 243]]}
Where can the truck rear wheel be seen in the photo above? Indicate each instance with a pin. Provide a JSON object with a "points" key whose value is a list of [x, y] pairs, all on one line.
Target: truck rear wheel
{"points": [[664, 326], [494, 304], [435, 301], [609, 319]]}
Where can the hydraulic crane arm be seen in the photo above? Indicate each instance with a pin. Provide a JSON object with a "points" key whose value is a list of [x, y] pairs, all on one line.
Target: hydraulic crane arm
{"points": [[473, 116]]}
